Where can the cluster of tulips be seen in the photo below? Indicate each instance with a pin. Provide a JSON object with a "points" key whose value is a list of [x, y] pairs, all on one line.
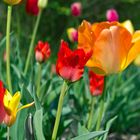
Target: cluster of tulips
{"points": [[104, 48]]}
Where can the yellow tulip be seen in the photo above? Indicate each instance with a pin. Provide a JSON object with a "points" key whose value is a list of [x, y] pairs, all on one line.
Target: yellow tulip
{"points": [[113, 46], [11, 106], [12, 2]]}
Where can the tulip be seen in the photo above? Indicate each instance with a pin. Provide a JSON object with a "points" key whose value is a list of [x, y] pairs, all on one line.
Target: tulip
{"points": [[9, 106], [70, 64], [76, 9], [113, 46], [42, 3], [42, 51], [96, 83], [12, 2], [112, 15], [32, 7], [72, 34]]}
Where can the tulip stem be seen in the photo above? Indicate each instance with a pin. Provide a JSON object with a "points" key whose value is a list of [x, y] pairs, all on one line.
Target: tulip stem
{"points": [[8, 133], [101, 111], [30, 52], [38, 80], [8, 74], [91, 114], [59, 109]]}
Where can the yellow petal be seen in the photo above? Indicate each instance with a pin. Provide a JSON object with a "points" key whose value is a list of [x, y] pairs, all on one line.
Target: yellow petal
{"points": [[15, 102], [137, 60], [133, 53], [25, 106], [128, 25], [136, 36], [7, 100]]}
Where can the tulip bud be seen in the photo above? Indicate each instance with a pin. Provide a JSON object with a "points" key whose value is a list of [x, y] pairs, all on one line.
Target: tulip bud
{"points": [[112, 15], [42, 51], [42, 3], [12, 2], [72, 34], [32, 7], [76, 8]]}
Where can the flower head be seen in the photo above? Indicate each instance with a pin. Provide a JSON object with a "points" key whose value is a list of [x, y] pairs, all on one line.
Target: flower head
{"points": [[70, 64], [112, 15], [96, 83], [72, 34], [42, 51], [76, 9], [9, 106], [12, 2], [113, 46], [32, 7]]}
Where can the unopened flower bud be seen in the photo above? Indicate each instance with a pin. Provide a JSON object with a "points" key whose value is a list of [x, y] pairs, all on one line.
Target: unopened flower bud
{"points": [[72, 34], [112, 15], [76, 8], [42, 3], [42, 51]]}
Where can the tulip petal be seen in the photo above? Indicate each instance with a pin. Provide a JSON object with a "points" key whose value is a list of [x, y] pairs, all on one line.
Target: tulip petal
{"points": [[86, 37], [2, 112], [15, 102], [136, 36], [128, 25], [111, 48], [133, 53]]}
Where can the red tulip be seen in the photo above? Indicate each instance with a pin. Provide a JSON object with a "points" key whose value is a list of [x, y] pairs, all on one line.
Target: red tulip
{"points": [[96, 83], [42, 51], [2, 111], [32, 7], [70, 64]]}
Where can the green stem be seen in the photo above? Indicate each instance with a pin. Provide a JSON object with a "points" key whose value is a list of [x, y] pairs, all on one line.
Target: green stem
{"points": [[32, 43], [91, 114], [59, 109], [101, 111], [9, 13], [8, 133], [38, 80]]}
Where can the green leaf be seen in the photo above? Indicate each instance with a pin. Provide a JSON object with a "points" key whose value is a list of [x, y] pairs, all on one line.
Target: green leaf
{"points": [[17, 130], [109, 123], [38, 117], [82, 129], [89, 135]]}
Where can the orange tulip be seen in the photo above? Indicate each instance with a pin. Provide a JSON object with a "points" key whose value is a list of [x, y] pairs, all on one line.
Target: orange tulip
{"points": [[113, 46]]}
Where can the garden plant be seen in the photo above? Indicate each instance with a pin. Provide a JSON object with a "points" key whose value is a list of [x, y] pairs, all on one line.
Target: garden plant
{"points": [[69, 70]]}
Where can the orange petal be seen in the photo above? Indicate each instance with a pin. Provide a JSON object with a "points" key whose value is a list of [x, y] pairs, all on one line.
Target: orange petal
{"points": [[97, 28], [111, 49], [86, 37]]}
